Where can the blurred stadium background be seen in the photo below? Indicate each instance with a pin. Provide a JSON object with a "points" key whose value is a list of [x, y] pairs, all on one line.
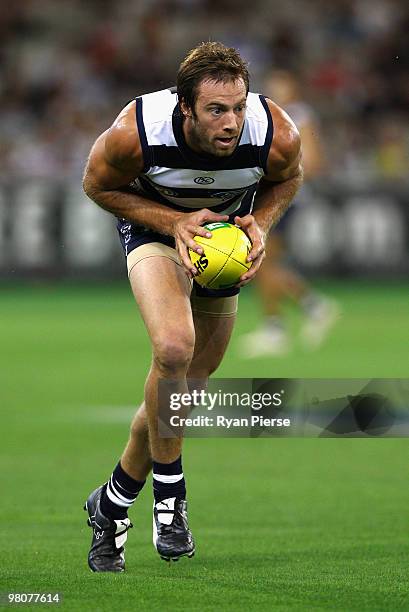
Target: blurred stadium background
{"points": [[74, 352], [67, 68]]}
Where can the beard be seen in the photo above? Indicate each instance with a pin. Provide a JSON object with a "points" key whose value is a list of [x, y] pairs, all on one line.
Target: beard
{"points": [[201, 142]]}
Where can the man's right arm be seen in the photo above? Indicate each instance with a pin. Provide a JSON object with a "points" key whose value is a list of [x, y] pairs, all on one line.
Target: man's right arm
{"points": [[115, 160]]}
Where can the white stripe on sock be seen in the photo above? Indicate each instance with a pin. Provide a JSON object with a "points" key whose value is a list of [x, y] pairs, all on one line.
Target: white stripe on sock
{"points": [[168, 479], [116, 491], [118, 502], [117, 498]]}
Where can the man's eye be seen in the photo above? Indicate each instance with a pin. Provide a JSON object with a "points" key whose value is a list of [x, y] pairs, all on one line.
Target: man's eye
{"points": [[216, 111]]}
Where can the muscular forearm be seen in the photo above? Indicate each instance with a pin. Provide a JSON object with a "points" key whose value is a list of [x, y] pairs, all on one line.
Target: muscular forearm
{"points": [[135, 208], [273, 199]]}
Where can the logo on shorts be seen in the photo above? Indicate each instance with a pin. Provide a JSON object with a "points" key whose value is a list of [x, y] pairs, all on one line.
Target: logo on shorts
{"points": [[204, 180]]}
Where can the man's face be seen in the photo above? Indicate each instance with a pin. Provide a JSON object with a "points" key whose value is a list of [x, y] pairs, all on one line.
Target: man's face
{"points": [[216, 123]]}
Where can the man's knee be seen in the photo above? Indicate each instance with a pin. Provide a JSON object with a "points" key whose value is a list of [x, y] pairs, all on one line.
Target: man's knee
{"points": [[173, 352], [139, 424]]}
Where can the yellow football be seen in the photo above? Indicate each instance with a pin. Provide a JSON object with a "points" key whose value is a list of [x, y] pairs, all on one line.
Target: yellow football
{"points": [[224, 256]]}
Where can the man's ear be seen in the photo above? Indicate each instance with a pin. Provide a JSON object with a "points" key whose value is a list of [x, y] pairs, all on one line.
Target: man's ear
{"points": [[187, 112]]}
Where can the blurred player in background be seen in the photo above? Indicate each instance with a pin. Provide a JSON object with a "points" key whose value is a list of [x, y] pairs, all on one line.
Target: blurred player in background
{"points": [[277, 280], [171, 161]]}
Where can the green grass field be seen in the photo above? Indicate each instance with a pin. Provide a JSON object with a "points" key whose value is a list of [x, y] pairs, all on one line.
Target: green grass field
{"points": [[280, 524]]}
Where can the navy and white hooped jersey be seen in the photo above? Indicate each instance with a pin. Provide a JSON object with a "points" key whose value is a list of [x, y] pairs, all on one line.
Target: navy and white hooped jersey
{"points": [[177, 176]]}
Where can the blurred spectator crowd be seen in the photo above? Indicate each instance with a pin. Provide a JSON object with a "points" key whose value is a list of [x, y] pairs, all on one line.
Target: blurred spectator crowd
{"points": [[68, 67]]}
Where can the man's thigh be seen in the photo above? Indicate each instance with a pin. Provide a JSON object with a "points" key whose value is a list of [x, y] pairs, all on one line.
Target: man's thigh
{"points": [[167, 304], [214, 320], [161, 289]]}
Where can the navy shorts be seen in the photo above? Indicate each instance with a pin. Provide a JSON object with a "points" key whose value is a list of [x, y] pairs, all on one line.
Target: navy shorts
{"points": [[133, 236]]}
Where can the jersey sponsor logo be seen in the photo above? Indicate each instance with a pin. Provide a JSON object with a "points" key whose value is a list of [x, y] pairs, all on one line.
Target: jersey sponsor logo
{"points": [[204, 180], [169, 192], [166, 191], [227, 195]]}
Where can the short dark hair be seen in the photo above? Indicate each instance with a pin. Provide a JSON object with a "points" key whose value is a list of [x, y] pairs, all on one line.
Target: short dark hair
{"points": [[209, 60]]}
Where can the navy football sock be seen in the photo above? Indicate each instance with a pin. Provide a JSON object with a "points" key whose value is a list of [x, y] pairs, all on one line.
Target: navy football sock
{"points": [[119, 494], [168, 480]]}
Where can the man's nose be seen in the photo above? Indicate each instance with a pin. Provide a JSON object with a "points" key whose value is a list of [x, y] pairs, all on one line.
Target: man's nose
{"points": [[230, 121]]}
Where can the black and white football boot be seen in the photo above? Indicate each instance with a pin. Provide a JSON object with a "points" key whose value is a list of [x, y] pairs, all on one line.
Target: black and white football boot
{"points": [[171, 535], [108, 537]]}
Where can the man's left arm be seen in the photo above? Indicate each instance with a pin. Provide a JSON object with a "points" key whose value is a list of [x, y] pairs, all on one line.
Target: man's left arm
{"points": [[276, 190]]}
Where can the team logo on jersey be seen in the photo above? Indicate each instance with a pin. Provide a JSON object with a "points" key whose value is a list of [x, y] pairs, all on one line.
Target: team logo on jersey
{"points": [[204, 180], [227, 195], [169, 192]]}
